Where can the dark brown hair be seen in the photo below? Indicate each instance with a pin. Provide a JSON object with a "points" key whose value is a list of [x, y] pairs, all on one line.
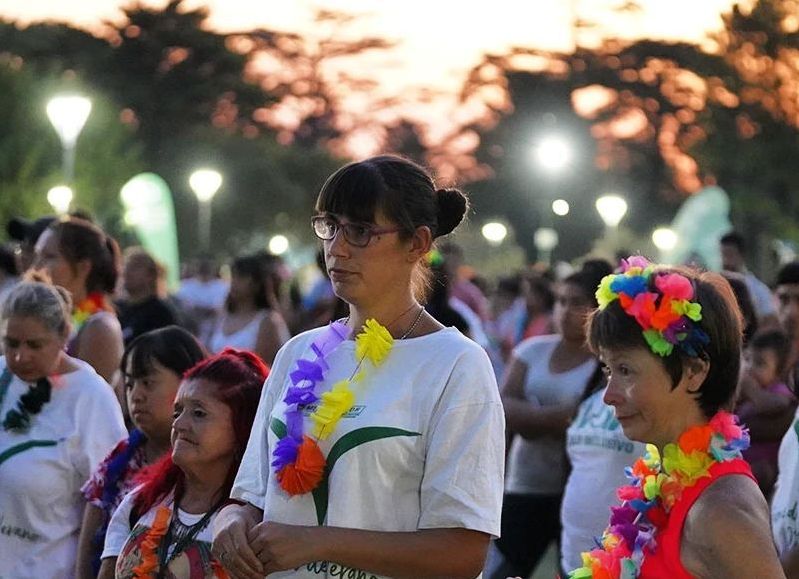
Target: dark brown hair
{"points": [[79, 239], [613, 328]]}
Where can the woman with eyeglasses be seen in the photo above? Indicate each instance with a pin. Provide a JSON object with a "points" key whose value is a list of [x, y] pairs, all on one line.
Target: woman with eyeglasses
{"points": [[380, 455]]}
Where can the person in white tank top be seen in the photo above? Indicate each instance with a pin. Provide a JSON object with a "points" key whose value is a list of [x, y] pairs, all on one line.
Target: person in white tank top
{"points": [[250, 322]]}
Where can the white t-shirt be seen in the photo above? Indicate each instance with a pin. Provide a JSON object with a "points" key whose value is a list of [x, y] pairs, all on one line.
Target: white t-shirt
{"points": [[761, 295], [538, 466], [441, 466], [786, 493], [598, 452], [203, 294], [125, 543], [41, 506]]}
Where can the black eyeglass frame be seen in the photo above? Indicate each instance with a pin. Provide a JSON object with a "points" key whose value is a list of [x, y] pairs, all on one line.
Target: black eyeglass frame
{"points": [[350, 236]]}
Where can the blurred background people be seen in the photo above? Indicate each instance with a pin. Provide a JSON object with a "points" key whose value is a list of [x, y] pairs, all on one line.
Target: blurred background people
{"points": [[26, 233], [142, 309], [163, 528], [202, 296], [251, 319], [78, 256], [543, 384], [9, 274], [733, 258], [152, 368], [59, 420]]}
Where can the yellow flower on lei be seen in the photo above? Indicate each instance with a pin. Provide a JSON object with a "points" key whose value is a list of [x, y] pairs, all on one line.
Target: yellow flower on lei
{"points": [[687, 467], [605, 295], [333, 405], [691, 310], [374, 342]]}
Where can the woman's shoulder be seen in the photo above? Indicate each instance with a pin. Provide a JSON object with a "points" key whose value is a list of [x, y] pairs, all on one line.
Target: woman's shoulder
{"points": [[83, 381], [536, 344]]}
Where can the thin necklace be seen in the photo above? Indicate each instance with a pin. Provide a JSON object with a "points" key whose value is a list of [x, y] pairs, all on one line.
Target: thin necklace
{"points": [[410, 329]]}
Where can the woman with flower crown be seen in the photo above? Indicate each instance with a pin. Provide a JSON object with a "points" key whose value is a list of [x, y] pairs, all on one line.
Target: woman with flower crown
{"points": [[380, 455], [670, 340], [80, 257], [58, 420]]}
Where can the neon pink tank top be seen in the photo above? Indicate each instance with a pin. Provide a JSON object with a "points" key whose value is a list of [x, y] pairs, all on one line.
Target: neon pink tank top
{"points": [[665, 562]]}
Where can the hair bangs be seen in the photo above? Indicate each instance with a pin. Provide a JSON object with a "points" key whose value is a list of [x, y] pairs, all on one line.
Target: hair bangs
{"points": [[612, 328], [140, 360], [356, 191]]}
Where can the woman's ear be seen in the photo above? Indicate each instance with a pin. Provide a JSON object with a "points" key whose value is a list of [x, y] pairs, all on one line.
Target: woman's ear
{"points": [[421, 244], [694, 372]]}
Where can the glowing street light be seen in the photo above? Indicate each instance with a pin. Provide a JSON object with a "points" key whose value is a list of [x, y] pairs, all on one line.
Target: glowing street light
{"points": [[664, 238], [68, 114], [278, 245], [205, 183], [612, 209], [60, 198], [560, 207], [553, 153], [494, 232]]}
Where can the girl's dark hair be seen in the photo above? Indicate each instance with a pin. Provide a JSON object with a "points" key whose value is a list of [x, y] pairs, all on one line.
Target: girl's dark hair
{"points": [[252, 268], [172, 347], [777, 342], [613, 328], [588, 277], [399, 189], [744, 298], [80, 240], [238, 376], [543, 288]]}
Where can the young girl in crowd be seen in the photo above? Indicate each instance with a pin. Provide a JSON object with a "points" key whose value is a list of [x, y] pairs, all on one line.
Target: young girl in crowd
{"points": [[163, 528], [252, 319], [152, 367], [78, 256], [383, 455]]}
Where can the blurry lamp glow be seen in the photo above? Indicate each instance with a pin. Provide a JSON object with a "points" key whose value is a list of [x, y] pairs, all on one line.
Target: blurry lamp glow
{"points": [[60, 198], [545, 238], [612, 209], [135, 216], [665, 239], [494, 232], [68, 115], [279, 244], [560, 207], [205, 183], [553, 153]]}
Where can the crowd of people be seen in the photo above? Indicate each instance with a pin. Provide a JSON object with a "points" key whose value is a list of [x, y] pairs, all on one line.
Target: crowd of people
{"points": [[396, 417]]}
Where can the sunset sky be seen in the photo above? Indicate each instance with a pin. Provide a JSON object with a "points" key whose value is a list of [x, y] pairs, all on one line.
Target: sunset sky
{"points": [[439, 39]]}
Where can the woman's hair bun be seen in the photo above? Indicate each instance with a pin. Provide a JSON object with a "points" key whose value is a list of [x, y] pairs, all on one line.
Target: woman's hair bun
{"points": [[452, 206]]}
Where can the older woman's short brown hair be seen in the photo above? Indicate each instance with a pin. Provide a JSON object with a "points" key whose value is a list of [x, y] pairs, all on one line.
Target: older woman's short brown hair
{"points": [[612, 328]]}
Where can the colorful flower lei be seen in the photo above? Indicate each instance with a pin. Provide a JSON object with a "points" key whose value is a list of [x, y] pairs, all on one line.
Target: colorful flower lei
{"points": [[659, 302], [148, 566], [655, 486], [297, 460], [93, 303]]}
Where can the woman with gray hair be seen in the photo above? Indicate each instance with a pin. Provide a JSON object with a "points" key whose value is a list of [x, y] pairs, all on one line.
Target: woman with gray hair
{"points": [[58, 420]]}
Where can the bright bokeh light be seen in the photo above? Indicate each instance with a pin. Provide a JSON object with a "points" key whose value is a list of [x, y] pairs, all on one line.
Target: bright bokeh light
{"points": [[138, 193], [494, 232], [553, 153], [664, 238], [560, 207], [60, 198], [68, 115], [612, 209], [278, 245], [205, 183], [545, 238]]}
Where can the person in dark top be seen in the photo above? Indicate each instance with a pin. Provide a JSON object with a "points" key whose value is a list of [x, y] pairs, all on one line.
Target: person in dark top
{"points": [[143, 310], [438, 304]]}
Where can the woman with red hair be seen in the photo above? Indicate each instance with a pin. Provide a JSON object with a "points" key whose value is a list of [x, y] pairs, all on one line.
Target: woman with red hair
{"points": [[163, 528]]}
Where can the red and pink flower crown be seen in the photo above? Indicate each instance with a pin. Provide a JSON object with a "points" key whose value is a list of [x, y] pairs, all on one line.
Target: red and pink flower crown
{"points": [[661, 304]]}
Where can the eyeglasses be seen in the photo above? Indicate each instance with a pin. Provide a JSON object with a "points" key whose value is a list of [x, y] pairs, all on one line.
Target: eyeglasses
{"points": [[356, 234]]}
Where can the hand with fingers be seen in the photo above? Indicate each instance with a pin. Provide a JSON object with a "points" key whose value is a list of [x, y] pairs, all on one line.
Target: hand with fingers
{"points": [[280, 547], [231, 547]]}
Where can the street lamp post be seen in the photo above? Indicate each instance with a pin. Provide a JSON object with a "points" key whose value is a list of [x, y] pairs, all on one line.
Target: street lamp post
{"points": [[68, 114], [60, 198], [494, 233], [611, 209], [665, 239], [545, 239], [205, 183]]}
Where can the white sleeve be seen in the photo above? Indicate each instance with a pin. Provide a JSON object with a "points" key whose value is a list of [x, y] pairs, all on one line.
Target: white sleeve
{"points": [[118, 528], [100, 427], [462, 485], [253, 475]]}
